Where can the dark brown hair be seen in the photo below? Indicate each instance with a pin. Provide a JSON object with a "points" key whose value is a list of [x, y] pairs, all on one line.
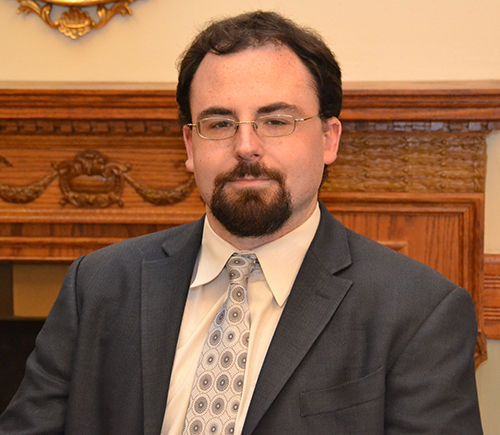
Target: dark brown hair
{"points": [[256, 29]]}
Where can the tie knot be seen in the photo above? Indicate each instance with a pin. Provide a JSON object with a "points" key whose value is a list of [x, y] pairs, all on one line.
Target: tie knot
{"points": [[240, 266]]}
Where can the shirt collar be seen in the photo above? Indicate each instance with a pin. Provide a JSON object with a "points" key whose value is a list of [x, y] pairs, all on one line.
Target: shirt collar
{"points": [[279, 263]]}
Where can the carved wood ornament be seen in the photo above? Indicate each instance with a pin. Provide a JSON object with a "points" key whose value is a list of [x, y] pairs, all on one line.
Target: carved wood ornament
{"points": [[410, 173], [92, 180]]}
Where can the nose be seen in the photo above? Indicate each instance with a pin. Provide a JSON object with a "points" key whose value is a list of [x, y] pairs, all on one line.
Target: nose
{"points": [[247, 143]]}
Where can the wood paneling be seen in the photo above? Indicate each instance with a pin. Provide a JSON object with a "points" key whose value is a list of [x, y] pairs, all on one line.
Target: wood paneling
{"points": [[473, 101], [83, 168], [492, 296]]}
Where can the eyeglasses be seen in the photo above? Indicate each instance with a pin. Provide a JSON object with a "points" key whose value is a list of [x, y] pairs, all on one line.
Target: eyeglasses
{"points": [[267, 126]]}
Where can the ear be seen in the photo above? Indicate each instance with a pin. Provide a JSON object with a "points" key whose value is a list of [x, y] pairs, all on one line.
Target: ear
{"points": [[332, 134], [187, 133]]}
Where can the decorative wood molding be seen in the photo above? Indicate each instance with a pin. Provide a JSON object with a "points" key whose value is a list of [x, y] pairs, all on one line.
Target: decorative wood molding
{"points": [[126, 105], [471, 101], [64, 127], [492, 296], [409, 162], [92, 180], [412, 102]]}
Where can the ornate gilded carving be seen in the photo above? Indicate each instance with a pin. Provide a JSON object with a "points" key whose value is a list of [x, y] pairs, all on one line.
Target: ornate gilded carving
{"points": [[76, 22], [91, 180], [409, 162]]}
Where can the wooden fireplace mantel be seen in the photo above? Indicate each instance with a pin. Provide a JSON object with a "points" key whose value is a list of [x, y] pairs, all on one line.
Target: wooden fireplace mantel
{"points": [[89, 165]]}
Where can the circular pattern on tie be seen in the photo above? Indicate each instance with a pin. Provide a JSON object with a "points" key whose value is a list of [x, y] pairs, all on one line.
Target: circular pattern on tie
{"points": [[235, 261], [229, 428], [210, 360], [222, 382], [196, 427], [235, 315], [218, 405], [238, 293], [215, 337], [231, 336], [214, 427], [242, 360], [221, 315], [205, 382], [227, 359], [235, 275], [245, 339], [238, 383], [200, 405], [233, 407]]}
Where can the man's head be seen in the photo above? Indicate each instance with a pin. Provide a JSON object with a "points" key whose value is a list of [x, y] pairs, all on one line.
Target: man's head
{"points": [[258, 181], [256, 29]]}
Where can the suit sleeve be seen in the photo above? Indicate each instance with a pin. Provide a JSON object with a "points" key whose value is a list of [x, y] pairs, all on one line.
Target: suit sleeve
{"points": [[431, 387], [39, 406]]}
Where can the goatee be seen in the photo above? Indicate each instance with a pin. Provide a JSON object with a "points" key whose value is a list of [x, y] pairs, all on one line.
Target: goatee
{"points": [[251, 212]]}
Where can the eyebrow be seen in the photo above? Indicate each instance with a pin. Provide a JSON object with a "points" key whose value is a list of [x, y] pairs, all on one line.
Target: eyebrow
{"points": [[279, 107], [211, 111], [264, 110]]}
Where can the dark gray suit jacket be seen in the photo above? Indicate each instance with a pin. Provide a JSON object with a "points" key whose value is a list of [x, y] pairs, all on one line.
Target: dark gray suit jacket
{"points": [[370, 342]]}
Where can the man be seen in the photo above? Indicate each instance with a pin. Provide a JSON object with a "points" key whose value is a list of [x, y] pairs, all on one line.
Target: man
{"points": [[345, 336]]}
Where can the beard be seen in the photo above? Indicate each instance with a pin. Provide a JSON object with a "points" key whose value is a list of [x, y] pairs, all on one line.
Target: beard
{"points": [[251, 212]]}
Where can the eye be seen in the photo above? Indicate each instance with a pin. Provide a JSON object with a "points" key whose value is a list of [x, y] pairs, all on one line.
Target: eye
{"points": [[276, 123], [217, 124]]}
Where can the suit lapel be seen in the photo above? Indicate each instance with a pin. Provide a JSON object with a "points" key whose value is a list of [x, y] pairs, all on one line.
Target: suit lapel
{"points": [[164, 285], [315, 296]]}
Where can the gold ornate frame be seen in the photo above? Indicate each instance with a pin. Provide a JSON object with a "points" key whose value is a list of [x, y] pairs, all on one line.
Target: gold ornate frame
{"points": [[75, 22]]}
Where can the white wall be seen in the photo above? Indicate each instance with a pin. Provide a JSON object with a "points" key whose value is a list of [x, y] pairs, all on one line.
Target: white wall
{"points": [[374, 40], [430, 40]]}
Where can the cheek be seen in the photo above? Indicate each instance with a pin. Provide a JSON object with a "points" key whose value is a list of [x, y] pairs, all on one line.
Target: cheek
{"points": [[304, 175], [206, 167], [306, 166]]}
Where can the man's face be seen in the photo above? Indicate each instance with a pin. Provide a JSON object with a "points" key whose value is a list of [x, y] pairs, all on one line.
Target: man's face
{"points": [[250, 174]]}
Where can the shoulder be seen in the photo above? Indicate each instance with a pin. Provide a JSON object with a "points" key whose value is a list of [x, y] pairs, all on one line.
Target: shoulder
{"points": [[380, 274], [382, 264], [392, 289], [367, 261], [129, 254]]}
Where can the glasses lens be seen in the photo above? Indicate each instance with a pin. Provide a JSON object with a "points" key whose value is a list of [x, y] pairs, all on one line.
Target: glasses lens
{"points": [[275, 125], [216, 128]]}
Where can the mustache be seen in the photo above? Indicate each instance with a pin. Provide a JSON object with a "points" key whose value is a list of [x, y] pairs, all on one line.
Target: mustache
{"points": [[244, 169]]}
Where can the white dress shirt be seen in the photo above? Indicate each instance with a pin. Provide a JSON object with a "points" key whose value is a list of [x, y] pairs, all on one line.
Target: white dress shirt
{"points": [[268, 290]]}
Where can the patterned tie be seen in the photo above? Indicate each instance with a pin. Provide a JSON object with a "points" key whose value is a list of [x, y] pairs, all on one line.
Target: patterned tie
{"points": [[216, 394]]}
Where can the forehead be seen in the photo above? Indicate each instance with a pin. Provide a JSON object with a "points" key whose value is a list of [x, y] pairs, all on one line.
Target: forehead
{"points": [[253, 78]]}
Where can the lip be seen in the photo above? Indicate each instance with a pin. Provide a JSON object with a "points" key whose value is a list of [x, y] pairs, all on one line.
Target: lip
{"points": [[247, 182]]}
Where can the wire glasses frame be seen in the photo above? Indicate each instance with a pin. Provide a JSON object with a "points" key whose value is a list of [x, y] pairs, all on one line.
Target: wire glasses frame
{"points": [[219, 128]]}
